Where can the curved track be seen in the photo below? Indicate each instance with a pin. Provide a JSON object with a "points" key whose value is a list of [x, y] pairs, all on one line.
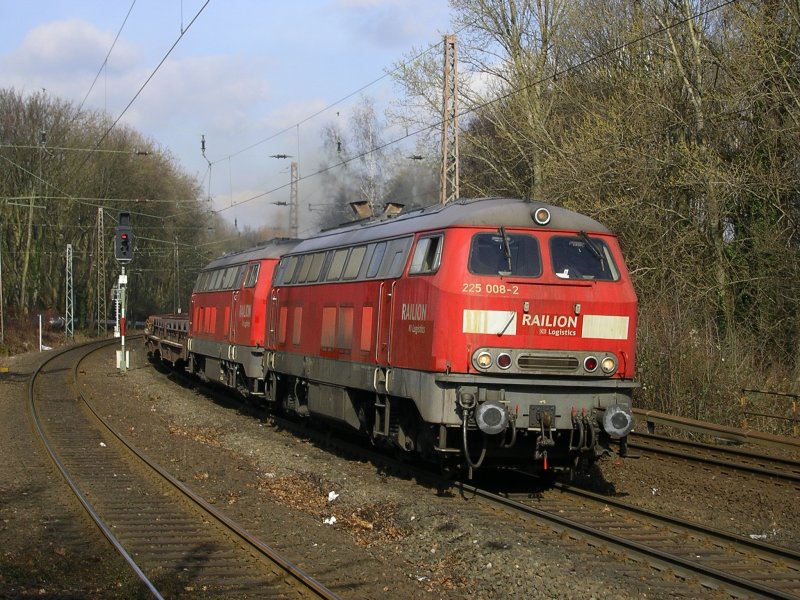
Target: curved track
{"points": [[175, 542]]}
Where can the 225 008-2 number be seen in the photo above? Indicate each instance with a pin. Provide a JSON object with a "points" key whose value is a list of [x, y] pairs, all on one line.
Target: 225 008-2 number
{"points": [[500, 289]]}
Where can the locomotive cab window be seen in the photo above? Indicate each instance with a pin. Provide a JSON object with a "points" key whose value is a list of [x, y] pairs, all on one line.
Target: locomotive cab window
{"points": [[502, 253], [582, 257], [427, 255]]}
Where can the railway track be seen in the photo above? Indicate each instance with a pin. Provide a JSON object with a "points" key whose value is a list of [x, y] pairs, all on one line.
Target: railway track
{"points": [[176, 543], [777, 469], [714, 560], [693, 560]]}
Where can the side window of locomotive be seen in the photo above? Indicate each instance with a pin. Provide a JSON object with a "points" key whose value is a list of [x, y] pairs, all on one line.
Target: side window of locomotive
{"points": [[375, 262], [252, 275], [582, 257], [337, 264], [240, 273], [291, 267], [217, 282], [394, 261], [280, 271], [427, 256], [298, 269], [316, 266], [354, 262], [229, 278], [302, 275], [493, 253]]}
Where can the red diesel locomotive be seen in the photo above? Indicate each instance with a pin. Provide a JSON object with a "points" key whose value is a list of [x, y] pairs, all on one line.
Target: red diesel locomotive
{"points": [[488, 331]]}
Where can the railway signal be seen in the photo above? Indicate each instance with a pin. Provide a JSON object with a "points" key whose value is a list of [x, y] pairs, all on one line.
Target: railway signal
{"points": [[123, 239], [123, 252]]}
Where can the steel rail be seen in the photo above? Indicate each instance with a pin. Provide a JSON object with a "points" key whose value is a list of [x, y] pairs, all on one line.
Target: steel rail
{"points": [[636, 443], [68, 478], [711, 574], [309, 584], [734, 434], [751, 544], [318, 588]]}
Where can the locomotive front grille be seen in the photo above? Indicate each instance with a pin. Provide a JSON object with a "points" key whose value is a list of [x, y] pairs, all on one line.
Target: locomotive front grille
{"points": [[554, 364]]}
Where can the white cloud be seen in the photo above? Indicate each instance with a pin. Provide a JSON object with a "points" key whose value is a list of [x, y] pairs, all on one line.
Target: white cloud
{"points": [[68, 53], [221, 88]]}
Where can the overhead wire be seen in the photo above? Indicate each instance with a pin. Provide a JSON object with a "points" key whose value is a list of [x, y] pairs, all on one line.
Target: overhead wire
{"points": [[105, 60], [149, 78], [96, 147], [473, 109], [335, 103]]}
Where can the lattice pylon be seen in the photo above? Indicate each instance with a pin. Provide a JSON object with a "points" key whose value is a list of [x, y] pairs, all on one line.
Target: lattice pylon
{"points": [[100, 260], [449, 171]]}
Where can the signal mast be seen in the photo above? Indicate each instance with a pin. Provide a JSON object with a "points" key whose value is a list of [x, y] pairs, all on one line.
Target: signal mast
{"points": [[123, 253]]}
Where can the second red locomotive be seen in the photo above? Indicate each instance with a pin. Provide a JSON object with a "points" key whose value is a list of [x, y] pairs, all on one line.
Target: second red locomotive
{"points": [[489, 331]]}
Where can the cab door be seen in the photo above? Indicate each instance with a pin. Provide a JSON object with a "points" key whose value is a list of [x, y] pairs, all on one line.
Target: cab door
{"points": [[383, 341]]}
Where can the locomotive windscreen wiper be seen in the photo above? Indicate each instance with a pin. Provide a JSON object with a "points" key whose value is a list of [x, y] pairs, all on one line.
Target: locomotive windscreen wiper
{"points": [[593, 249], [506, 250]]}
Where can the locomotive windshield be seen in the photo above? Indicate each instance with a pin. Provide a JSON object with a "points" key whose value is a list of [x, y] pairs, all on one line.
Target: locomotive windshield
{"points": [[502, 253], [582, 257]]}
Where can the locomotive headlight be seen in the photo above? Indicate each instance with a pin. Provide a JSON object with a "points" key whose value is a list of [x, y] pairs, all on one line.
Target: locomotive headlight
{"points": [[484, 360], [541, 216], [609, 365], [590, 364]]}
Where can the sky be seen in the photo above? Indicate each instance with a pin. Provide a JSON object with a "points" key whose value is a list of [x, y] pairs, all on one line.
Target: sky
{"points": [[242, 72]]}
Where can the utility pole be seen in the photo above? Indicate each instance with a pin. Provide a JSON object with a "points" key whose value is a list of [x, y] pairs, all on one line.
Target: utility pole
{"points": [[293, 202], [69, 312], [176, 302], [100, 257], [292, 195], [449, 172]]}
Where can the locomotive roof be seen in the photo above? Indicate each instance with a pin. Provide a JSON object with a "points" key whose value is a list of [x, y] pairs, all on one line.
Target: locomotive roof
{"points": [[270, 249], [472, 212]]}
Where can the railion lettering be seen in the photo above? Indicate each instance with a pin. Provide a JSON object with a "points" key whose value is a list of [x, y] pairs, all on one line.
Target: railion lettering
{"points": [[413, 312], [556, 321]]}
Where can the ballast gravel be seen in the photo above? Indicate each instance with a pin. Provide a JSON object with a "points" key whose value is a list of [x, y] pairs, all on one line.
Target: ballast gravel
{"points": [[360, 531]]}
